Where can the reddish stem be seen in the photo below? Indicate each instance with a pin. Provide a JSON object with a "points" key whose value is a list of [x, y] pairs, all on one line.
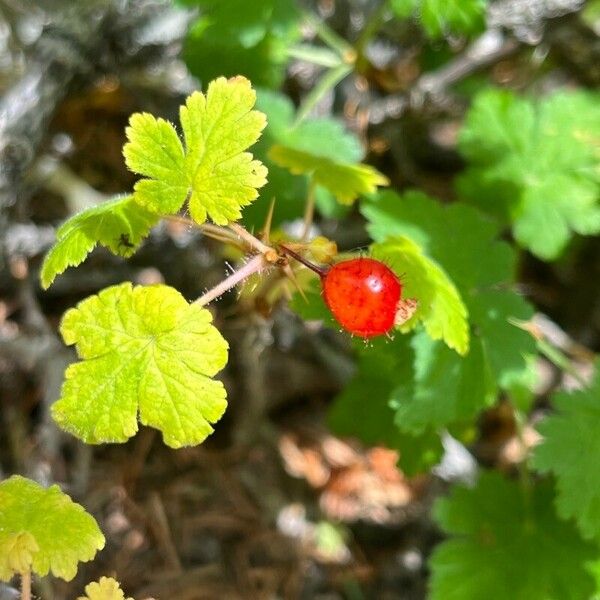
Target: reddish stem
{"points": [[318, 270]]}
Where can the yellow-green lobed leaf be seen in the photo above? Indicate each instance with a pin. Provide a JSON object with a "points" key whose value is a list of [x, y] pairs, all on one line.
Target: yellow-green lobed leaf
{"points": [[345, 181], [213, 170], [43, 528], [440, 309], [119, 225], [145, 352], [106, 588]]}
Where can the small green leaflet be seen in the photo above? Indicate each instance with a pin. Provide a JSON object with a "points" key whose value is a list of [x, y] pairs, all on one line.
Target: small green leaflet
{"points": [[571, 451], [214, 170], [119, 225], [325, 136], [345, 181], [443, 17], [144, 351], [448, 387], [535, 165], [507, 543], [104, 589], [441, 309], [43, 528]]}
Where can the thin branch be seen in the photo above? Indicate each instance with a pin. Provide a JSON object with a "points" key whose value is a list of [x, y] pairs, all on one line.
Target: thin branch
{"points": [[254, 265], [251, 240], [26, 585]]}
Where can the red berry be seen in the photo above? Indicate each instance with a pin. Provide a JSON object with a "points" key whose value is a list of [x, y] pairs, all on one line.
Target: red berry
{"points": [[363, 295]]}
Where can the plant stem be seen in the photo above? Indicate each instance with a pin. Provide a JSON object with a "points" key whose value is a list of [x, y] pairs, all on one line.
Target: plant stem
{"points": [[256, 264], [318, 270], [215, 232], [371, 27], [26, 585], [328, 81], [330, 37], [251, 240], [309, 210]]}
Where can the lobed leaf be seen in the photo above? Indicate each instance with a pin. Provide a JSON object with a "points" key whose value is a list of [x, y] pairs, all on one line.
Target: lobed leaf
{"points": [[43, 528], [105, 589], [213, 170], [570, 450], [345, 181], [145, 351], [363, 408], [448, 387], [507, 542], [119, 225], [535, 165], [440, 309]]}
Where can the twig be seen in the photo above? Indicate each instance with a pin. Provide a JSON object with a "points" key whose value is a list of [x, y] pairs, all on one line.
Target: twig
{"points": [[254, 265], [26, 585], [309, 210], [251, 240]]}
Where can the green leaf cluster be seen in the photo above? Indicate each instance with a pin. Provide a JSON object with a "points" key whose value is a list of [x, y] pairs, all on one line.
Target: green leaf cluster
{"points": [[465, 248], [507, 542], [43, 530], [145, 353], [535, 165], [241, 37], [320, 139], [440, 18], [570, 450], [465, 348]]}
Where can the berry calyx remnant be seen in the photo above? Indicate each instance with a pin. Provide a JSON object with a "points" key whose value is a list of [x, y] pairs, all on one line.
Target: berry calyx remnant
{"points": [[363, 294]]}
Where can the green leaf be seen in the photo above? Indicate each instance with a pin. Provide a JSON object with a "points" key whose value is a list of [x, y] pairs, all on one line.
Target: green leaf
{"points": [[443, 17], [240, 37], [535, 165], [570, 450], [119, 225], [325, 136], [345, 181], [105, 589], [507, 543], [214, 170], [440, 308], [448, 387], [363, 408], [145, 350], [46, 528]]}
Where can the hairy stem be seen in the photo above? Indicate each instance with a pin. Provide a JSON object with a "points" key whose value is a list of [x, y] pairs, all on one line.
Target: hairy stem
{"points": [[254, 265], [215, 232], [26, 585]]}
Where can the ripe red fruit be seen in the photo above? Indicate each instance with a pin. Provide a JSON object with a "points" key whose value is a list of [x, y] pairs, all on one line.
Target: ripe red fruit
{"points": [[363, 295]]}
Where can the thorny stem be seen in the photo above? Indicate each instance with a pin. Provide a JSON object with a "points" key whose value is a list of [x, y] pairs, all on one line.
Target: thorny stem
{"points": [[26, 585], [318, 270], [254, 265], [251, 240], [215, 232]]}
